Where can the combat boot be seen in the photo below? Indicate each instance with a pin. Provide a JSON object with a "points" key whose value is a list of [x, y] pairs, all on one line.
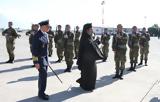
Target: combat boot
{"points": [[134, 67], [121, 74], [9, 61], [12, 60], [131, 68], [141, 62], [117, 74], [146, 62]]}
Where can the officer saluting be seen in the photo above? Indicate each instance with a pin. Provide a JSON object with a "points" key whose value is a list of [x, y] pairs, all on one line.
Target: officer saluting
{"points": [[40, 58]]}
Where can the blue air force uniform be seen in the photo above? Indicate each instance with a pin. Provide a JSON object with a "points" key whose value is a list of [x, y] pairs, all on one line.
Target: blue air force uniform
{"points": [[40, 52]]}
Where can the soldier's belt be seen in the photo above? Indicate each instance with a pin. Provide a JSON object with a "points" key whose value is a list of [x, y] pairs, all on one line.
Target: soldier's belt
{"points": [[122, 46], [70, 44]]}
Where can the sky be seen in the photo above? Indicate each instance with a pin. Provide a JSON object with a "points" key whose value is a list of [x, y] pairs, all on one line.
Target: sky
{"points": [[23, 13]]}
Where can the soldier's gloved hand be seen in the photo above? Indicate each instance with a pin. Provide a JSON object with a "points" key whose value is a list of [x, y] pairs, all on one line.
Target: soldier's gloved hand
{"points": [[37, 66]]}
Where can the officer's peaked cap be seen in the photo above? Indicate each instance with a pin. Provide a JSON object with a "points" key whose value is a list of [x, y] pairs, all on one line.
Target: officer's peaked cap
{"points": [[46, 22]]}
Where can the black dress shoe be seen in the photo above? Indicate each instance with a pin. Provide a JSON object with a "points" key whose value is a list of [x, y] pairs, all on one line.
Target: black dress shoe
{"points": [[44, 97], [78, 80], [67, 70], [58, 61], [104, 60]]}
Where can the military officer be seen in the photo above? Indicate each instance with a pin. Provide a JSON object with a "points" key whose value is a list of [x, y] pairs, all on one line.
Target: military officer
{"points": [[144, 46], [76, 41], [59, 43], [133, 44], [50, 36], [40, 57], [119, 48], [68, 48], [10, 35], [105, 42]]}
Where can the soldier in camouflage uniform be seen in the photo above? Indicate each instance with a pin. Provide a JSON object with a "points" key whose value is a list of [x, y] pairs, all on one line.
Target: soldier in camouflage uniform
{"points": [[50, 36], [68, 48], [105, 42], [31, 33], [11, 35], [59, 43], [133, 44], [119, 48], [76, 41], [144, 46]]}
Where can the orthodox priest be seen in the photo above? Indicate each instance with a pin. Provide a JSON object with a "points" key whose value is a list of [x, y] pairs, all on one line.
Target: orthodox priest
{"points": [[88, 54]]}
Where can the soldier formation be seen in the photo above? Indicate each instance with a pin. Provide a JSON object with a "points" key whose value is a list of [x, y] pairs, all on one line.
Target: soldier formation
{"points": [[67, 46]]}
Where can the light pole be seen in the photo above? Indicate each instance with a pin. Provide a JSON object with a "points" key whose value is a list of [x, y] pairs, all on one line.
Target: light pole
{"points": [[145, 21]]}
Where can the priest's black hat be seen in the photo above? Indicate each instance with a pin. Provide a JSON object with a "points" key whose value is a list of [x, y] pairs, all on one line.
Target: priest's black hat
{"points": [[87, 26]]}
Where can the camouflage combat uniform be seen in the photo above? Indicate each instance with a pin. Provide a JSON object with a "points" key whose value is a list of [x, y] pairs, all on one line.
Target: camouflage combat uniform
{"points": [[11, 35], [119, 48], [105, 42], [133, 44], [59, 44], [50, 36], [144, 47], [68, 49]]}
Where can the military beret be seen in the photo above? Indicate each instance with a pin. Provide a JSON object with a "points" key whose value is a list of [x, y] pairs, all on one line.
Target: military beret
{"points": [[46, 22]]}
